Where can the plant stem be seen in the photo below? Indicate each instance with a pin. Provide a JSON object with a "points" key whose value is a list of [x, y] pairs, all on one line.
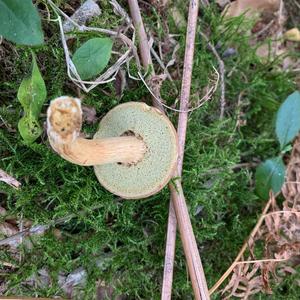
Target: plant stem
{"points": [[178, 203], [143, 43]]}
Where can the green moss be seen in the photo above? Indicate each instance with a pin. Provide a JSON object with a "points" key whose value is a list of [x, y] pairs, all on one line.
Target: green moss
{"points": [[128, 237]]}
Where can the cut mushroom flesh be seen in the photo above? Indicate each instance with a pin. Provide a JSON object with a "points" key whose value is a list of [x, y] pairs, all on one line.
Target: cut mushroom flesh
{"points": [[134, 152]]}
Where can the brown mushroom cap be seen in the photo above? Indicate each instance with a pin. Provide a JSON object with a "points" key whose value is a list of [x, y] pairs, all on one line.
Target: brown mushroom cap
{"points": [[154, 171]]}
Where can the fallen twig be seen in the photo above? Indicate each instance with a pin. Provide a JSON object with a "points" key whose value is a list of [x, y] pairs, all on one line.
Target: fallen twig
{"points": [[9, 180], [200, 103], [197, 277], [178, 200], [143, 43]]}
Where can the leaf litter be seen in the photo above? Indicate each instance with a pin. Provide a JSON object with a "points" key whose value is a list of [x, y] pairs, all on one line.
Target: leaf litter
{"points": [[280, 236]]}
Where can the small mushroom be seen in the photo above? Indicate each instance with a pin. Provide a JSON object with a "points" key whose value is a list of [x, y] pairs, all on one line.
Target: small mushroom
{"points": [[134, 152]]}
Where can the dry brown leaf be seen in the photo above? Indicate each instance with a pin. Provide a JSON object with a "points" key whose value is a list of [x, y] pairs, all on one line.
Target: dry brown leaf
{"points": [[2, 211], [239, 7], [279, 235], [89, 114], [120, 83], [223, 3], [178, 17], [9, 179], [8, 229], [292, 35], [87, 11]]}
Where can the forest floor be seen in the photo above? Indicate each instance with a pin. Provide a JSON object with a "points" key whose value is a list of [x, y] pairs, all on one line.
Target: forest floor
{"points": [[118, 245]]}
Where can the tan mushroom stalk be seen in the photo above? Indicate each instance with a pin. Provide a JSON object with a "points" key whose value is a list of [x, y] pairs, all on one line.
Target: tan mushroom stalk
{"points": [[134, 152], [64, 121]]}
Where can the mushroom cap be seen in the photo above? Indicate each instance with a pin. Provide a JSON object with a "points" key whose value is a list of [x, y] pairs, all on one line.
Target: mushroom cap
{"points": [[154, 171]]}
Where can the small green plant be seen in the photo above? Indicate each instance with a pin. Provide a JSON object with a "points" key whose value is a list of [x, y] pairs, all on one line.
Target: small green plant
{"points": [[270, 174], [20, 22], [92, 57], [32, 94]]}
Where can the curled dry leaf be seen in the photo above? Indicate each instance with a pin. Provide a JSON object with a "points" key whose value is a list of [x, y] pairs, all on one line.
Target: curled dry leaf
{"points": [[292, 35], [178, 17], [2, 211], [155, 83], [72, 283], [223, 3], [250, 7], [41, 279], [8, 229], [9, 179], [120, 83], [88, 10], [89, 114]]}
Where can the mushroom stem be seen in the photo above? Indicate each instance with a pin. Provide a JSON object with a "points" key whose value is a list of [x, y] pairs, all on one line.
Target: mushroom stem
{"points": [[127, 150], [64, 120]]}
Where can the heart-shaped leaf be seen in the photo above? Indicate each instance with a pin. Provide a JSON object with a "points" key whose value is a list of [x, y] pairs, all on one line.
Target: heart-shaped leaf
{"points": [[269, 176], [92, 57], [288, 119], [32, 94], [20, 22]]}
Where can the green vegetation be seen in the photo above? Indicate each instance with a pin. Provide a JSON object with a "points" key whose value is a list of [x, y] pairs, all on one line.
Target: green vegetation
{"points": [[122, 242]]}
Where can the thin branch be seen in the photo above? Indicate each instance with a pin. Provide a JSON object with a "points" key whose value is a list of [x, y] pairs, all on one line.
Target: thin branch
{"points": [[185, 227], [143, 43], [200, 102]]}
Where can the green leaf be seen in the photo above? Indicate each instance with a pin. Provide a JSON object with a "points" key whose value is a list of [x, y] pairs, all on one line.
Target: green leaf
{"points": [[92, 57], [288, 119], [269, 176], [29, 129], [20, 22], [31, 94], [32, 91]]}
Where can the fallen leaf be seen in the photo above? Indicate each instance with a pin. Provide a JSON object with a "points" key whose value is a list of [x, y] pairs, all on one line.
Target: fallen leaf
{"points": [[120, 83], [250, 7], [74, 281], [8, 229], [2, 211], [9, 179], [223, 3], [178, 17], [89, 114], [88, 10], [292, 35], [41, 279]]}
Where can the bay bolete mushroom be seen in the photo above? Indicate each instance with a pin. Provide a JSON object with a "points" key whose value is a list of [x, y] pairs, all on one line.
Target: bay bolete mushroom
{"points": [[134, 152]]}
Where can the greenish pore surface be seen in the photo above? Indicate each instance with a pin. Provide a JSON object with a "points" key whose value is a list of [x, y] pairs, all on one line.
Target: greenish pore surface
{"points": [[157, 166], [122, 242]]}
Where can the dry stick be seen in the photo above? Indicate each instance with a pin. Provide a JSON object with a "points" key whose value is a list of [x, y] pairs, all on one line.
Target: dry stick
{"points": [[178, 203], [182, 125], [185, 227], [143, 42]]}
